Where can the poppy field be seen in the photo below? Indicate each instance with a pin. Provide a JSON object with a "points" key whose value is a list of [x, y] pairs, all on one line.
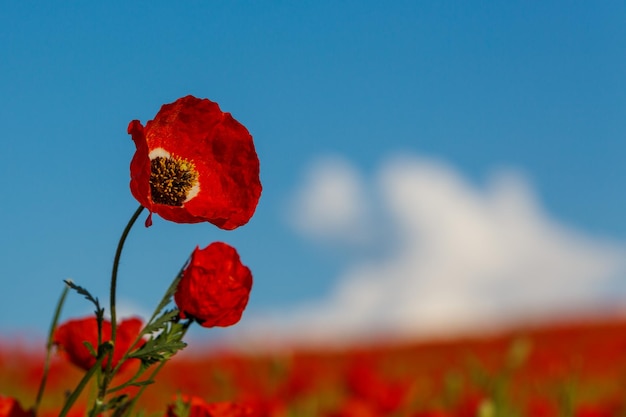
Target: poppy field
{"points": [[567, 369], [195, 163]]}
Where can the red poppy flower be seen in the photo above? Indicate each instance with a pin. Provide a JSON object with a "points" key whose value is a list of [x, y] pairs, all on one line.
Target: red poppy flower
{"points": [[70, 337], [195, 163], [215, 286], [10, 407]]}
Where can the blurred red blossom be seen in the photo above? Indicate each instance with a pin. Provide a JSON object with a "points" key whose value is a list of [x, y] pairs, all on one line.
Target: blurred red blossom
{"points": [[200, 408], [354, 407], [10, 407], [195, 163], [432, 413], [607, 409], [215, 286], [71, 335], [364, 382], [470, 405], [541, 407]]}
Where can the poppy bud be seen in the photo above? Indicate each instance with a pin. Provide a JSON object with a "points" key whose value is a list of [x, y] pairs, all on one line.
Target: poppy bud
{"points": [[215, 286]]}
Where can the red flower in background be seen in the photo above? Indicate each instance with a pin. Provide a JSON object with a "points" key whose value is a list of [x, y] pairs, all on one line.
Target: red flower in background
{"points": [[200, 408], [215, 286], [542, 407], [70, 337], [365, 383], [10, 407], [195, 163], [598, 410], [434, 413]]}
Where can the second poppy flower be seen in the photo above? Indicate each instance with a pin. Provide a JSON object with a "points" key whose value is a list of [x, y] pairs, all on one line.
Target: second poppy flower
{"points": [[215, 286]]}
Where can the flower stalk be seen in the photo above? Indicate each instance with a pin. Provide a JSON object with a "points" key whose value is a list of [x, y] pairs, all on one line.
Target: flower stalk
{"points": [[49, 345], [108, 375]]}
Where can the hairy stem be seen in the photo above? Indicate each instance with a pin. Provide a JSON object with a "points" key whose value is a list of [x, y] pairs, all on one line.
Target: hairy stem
{"points": [[49, 343], [116, 263]]}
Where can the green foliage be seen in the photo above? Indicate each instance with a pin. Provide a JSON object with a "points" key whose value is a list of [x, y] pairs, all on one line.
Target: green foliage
{"points": [[90, 348], [160, 323], [164, 332], [82, 291], [117, 403], [167, 341], [181, 407]]}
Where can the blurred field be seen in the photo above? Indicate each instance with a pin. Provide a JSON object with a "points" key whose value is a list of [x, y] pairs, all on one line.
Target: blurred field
{"points": [[573, 369]]}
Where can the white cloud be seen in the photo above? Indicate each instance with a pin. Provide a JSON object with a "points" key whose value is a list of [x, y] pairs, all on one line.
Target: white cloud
{"points": [[332, 204], [464, 257]]}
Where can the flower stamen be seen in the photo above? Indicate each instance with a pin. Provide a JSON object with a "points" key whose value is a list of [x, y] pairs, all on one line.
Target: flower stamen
{"points": [[172, 180]]}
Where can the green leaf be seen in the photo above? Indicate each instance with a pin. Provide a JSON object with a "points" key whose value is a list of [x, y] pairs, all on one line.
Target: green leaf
{"points": [[161, 322], [181, 407], [164, 345], [167, 297], [118, 403], [82, 291], [90, 348], [141, 383]]}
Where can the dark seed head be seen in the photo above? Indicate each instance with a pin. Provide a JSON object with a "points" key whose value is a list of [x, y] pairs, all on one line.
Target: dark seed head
{"points": [[171, 180]]}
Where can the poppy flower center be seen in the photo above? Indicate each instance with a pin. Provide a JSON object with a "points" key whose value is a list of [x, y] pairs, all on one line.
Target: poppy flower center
{"points": [[172, 180]]}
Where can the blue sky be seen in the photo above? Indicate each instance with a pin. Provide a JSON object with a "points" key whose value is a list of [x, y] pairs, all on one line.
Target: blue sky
{"points": [[462, 91]]}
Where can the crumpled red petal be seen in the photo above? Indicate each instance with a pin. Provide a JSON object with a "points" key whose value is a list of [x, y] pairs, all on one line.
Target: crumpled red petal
{"points": [[220, 148]]}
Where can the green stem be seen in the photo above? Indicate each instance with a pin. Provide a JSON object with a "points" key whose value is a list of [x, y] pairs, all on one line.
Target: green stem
{"points": [[143, 387], [83, 382], [116, 263], [49, 344], [131, 381]]}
